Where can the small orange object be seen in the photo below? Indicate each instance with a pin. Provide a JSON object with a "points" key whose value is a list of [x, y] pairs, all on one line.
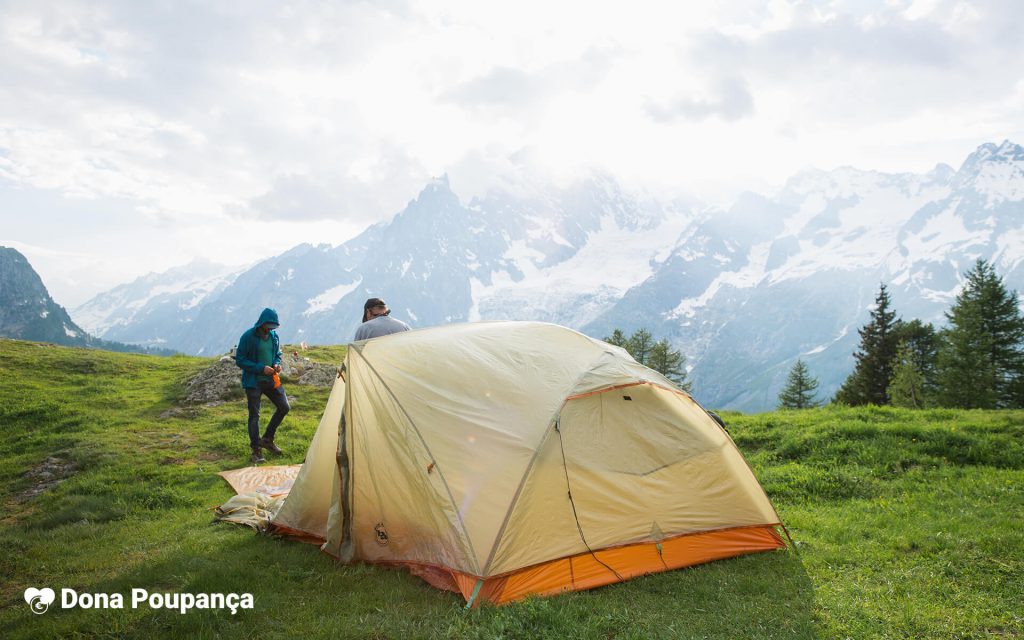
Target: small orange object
{"points": [[277, 380]]}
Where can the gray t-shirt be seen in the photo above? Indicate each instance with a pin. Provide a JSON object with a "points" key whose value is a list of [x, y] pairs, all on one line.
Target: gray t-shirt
{"points": [[381, 326]]}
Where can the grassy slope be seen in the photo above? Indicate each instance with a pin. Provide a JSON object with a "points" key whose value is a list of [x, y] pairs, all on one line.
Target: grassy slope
{"points": [[909, 525]]}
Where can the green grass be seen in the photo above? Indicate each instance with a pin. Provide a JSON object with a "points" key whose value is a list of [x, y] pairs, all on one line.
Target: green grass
{"points": [[908, 524]]}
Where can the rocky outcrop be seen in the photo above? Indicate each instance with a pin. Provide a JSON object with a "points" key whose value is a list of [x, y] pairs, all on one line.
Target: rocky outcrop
{"points": [[221, 380], [27, 312]]}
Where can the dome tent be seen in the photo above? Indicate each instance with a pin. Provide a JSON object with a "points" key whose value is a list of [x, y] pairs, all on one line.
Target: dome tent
{"points": [[505, 459]]}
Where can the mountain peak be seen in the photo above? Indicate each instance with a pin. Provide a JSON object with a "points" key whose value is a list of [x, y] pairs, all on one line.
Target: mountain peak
{"points": [[994, 171], [436, 194], [990, 152], [1010, 151], [941, 173], [439, 183], [27, 312], [15, 265]]}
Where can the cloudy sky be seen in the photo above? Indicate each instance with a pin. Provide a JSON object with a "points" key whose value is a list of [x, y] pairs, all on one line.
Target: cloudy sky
{"points": [[136, 136]]}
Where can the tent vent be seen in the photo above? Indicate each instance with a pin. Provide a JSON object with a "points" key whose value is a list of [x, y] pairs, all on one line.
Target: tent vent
{"points": [[627, 398]]}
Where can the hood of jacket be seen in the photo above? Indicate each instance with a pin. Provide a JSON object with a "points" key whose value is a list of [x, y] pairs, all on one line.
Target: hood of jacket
{"points": [[268, 315]]}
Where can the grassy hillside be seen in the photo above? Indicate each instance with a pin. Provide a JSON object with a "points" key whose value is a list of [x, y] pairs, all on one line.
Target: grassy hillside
{"points": [[908, 525]]}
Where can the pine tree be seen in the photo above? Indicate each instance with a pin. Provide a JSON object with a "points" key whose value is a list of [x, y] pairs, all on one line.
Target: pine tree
{"points": [[640, 345], [669, 363], [966, 376], [869, 381], [799, 390], [617, 339], [981, 357], [659, 355], [923, 342], [907, 388]]}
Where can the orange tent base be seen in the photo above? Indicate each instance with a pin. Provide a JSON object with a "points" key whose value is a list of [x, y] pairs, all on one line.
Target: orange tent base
{"points": [[584, 571], [588, 571]]}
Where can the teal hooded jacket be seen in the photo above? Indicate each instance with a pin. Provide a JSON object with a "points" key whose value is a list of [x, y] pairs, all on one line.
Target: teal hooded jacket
{"points": [[245, 354]]}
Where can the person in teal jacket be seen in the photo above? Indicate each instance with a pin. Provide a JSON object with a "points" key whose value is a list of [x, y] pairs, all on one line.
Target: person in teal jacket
{"points": [[259, 357]]}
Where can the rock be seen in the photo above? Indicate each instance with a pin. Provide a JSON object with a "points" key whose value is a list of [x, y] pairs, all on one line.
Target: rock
{"points": [[221, 381], [305, 371], [46, 475], [319, 376]]}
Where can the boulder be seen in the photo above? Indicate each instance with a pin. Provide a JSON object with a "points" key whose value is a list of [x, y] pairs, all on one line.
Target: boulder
{"points": [[222, 380]]}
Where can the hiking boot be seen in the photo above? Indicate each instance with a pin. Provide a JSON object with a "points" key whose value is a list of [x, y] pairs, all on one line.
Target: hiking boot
{"points": [[257, 456], [270, 446]]}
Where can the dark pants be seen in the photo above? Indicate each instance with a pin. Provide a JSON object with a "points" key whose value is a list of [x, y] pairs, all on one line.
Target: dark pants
{"points": [[280, 400]]}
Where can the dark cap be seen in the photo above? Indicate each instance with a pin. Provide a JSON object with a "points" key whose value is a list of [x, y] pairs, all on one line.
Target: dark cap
{"points": [[374, 302]]}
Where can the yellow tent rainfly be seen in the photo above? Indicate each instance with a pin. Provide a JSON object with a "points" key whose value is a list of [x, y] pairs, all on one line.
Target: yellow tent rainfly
{"points": [[505, 459]]}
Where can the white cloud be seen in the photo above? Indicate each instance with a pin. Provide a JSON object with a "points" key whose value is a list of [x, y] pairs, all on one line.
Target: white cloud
{"points": [[729, 100], [323, 118], [518, 89]]}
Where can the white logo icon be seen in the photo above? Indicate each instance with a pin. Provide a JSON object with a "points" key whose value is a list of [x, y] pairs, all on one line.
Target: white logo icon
{"points": [[39, 599]]}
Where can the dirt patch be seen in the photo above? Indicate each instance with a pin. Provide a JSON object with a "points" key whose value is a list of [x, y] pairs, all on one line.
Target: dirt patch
{"points": [[178, 412], [158, 440], [46, 475], [211, 456]]}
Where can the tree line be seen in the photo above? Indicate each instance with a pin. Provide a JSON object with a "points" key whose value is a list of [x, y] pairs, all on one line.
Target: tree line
{"points": [[655, 354], [975, 362]]}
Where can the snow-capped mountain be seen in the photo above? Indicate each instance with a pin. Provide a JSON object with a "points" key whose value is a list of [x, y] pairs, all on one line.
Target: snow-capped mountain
{"points": [[156, 309], [773, 279], [742, 292], [440, 261]]}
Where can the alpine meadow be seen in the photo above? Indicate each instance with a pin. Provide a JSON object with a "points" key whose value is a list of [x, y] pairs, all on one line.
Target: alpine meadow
{"points": [[906, 524]]}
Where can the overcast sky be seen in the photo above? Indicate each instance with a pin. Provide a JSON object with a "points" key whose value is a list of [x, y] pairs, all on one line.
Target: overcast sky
{"points": [[136, 136]]}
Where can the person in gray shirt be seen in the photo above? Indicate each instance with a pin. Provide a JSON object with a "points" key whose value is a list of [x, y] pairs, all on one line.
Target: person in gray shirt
{"points": [[377, 321]]}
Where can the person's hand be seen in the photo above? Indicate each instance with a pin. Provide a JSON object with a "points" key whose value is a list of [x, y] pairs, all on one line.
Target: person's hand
{"points": [[277, 368], [268, 371]]}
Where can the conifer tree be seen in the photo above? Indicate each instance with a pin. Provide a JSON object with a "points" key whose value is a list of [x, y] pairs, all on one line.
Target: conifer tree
{"points": [[640, 344], [669, 363], [869, 381], [659, 355], [981, 357], [799, 390], [617, 339], [923, 343], [907, 388]]}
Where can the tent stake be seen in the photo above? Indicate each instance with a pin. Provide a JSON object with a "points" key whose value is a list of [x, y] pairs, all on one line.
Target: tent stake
{"points": [[791, 543], [476, 592]]}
